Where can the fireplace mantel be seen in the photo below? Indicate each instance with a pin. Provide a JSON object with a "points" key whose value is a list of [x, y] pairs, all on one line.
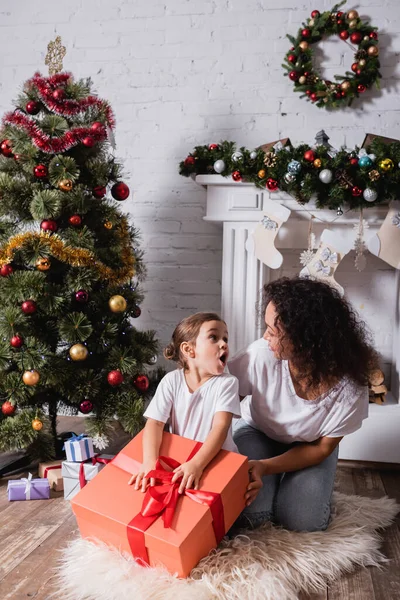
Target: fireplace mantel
{"points": [[238, 207]]}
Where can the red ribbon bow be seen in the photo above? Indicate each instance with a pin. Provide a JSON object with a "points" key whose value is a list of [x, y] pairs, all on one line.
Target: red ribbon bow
{"points": [[96, 459]]}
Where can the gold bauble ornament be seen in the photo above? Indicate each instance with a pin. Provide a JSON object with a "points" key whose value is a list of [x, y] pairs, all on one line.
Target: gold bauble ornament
{"points": [[303, 45], [66, 185], [108, 225], [373, 51], [317, 163], [386, 164], [366, 38], [362, 63], [345, 85], [117, 304], [78, 352], [37, 424], [302, 80], [352, 14], [31, 377], [261, 174], [353, 24], [43, 264]]}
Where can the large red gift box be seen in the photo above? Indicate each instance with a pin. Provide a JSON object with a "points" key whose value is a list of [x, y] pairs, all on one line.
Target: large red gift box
{"points": [[110, 510]]}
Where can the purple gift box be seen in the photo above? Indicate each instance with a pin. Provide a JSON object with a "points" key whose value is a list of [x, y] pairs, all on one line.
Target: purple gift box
{"points": [[28, 489]]}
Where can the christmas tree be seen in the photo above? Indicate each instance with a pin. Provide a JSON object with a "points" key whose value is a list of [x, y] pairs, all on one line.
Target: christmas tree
{"points": [[70, 267]]}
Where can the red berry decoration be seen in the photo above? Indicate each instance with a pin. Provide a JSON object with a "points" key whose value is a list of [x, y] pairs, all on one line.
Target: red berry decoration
{"points": [[293, 75], [88, 141], [59, 94], [120, 191], [49, 225], [115, 378], [356, 37], [5, 148], [6, 270], [17, 341], [306, 33], [309, 155], [361, 88], [99, 191], [212, 147], [29, 307], [75, 220], [292, 58], [141, 382], [373, 35], [339, 14], [315, 14], [338, 95], [82, 296], [40, 171], [339, 22], [344, 35], [236, 176], [32, 107], [137, 312], [272, 185], [314, 97], [354, 161], [308, 92], [97, 126], [356, 191], [86, 406], [7, 408], [189, 161]]}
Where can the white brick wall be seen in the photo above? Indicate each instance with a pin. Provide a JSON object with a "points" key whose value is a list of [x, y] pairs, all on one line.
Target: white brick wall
{"points": [[184, 72]]}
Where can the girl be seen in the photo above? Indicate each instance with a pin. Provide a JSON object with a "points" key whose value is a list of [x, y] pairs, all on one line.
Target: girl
{"points": [[198, 399]]}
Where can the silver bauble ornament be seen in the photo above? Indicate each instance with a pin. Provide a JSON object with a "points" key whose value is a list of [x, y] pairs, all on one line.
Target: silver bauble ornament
{"points": [[253, 155], [289, 177], [236, 156], [219, 166], [153, 360], [370, 195], [325, 176], [294, 167]]}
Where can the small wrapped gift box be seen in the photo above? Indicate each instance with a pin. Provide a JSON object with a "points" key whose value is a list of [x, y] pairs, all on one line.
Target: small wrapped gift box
{"points": [[76, 475], [79, 448], [162, 526], [52, 472], [27, 488]]}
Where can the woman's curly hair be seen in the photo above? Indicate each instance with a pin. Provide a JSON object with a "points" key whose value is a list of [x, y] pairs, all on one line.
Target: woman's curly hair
{"points": [[328, 338]]}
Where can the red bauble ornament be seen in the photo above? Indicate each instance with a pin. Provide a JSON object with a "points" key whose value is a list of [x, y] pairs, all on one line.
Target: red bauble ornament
{"points": [[354, 161], [32, 107], [343, 93], [356, 37], [189, 161], [338, 95], [361, 88], [141, 382], [17, 341], [6, 270], [7, 408], [115, 378], [344, 35], [292, 58], [305, 33], [49, 225], [86, 406], [81, 296], [99, 191], [293, 75], [356, 191], [5, 148], [29, 307], [40, 171], [272, 185], [309, 155], [339, 14], [373, 35], [17, 156], [97, 126], [358, 72], [354, 67], [308, 92], [75, 220], [212, 147], [59, 94], [120, 191], [339, 22], [314, 97], [236, 176], [137, 312], [88, 141], [315, 14]]}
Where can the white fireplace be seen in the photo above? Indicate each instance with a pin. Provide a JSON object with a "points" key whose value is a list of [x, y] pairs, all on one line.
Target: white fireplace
{"points": [[374, 292]]}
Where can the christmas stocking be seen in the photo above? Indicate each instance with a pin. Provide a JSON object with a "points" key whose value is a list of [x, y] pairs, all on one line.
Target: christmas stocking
{"points": [[386, 243], [331, 251], [265, 233]]}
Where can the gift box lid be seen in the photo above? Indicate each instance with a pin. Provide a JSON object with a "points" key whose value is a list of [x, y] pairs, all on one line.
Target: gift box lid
{"points": [[268, 147]]}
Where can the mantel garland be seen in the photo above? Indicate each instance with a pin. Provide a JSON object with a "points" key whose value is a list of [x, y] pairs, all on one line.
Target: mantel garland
{"points": [[358, 178], [364, 70]]}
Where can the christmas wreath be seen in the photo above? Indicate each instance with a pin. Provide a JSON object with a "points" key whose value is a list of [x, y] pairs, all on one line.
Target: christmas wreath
{"points": [[357, 178], [365, 68]]}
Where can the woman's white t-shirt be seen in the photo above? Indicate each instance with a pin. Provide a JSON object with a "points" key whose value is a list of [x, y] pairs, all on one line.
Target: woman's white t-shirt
{"points": [[191, 414], [272, 405]]}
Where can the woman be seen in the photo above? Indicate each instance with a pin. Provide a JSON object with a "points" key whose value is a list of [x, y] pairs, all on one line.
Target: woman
{"points": [[306, 386]]}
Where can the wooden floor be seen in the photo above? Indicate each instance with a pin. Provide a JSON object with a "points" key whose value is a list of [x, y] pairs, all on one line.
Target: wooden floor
{"points": [[32, 533]]}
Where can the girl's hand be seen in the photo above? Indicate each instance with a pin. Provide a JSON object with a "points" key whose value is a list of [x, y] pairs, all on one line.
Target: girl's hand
{"points": [[140, 480], [256, 472], [191, 473]]}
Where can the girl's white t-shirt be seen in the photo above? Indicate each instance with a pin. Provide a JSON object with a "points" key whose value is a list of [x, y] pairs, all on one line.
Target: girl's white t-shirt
{"points": [[191, 414], [272, 405]]}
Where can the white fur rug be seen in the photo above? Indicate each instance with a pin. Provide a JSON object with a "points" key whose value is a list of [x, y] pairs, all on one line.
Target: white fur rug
{"points": [[267, 564]]}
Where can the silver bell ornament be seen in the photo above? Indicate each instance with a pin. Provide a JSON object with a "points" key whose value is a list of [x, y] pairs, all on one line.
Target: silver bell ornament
{"points": [[370, 195], [294, 167], [219, 166], [325, 176], [236, 156]]}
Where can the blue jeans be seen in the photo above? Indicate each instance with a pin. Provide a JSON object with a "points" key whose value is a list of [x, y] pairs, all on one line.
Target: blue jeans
{"points": [[298, 500]]}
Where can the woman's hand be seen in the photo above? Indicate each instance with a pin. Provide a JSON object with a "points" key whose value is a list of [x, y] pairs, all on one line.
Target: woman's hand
{"points": [[191, 473], [140, 480], [256, 472]]}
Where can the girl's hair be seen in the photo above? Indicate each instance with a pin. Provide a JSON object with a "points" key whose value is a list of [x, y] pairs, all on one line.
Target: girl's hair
{"points": [[187, 331], [328, 338]]}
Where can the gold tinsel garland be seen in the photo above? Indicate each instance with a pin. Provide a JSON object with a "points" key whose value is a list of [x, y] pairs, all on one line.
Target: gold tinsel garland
{"points": [[76, 257]]}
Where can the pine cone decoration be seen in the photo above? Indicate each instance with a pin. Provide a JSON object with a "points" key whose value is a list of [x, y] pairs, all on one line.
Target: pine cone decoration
{"points": [[374, 175], [270, 159]]}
